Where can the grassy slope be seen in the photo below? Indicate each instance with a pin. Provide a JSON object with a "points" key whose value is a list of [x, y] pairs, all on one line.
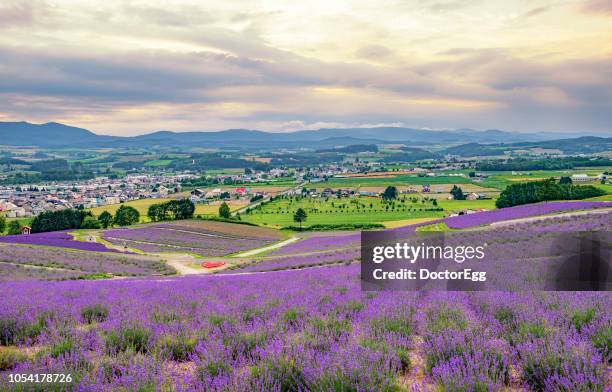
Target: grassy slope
{"points": [[280, 212]]}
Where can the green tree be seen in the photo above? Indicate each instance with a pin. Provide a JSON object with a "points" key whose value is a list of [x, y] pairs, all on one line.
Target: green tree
{"points": [[550, 189], [106, 219], [126, 216], [156, 212], [14, 228], [390, 193], [457, 193], [224, 211], [65, 219], [565, 180], [300, 216], [2, 225], [180, 209], [91, 223]]}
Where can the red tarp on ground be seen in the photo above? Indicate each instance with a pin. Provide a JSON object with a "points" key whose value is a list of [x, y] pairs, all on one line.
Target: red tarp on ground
{"points": [[213, 264]]}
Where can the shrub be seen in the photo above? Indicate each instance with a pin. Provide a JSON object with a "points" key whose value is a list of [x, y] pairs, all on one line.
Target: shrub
{"points": [[9, 357], [94, 313], [446, 318], [213, 368], [580, 318], [602, 341], [561, 365], [133, 338], [399, 325], [284, 374], [292, 315], [64, 346], [178, 348]]}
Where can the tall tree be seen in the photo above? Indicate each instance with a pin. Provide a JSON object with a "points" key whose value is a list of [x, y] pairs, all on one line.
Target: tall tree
{"points": [[106, 219], [126, 216], [300, 216], [390, 193], [565, 180], [457, 193], [14, 228], [224, 211], [2, 224]]}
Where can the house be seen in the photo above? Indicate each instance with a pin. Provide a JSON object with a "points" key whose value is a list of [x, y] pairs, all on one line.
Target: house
{"points": [[26, 230], [216, 192], [580, 178], [241, 191], [194, 199], [198, 192], [472, 196], [112, 200], [327, 192], [162, 191]]}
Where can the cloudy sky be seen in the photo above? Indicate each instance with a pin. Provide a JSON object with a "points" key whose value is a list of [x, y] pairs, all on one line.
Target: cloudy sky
{"points": [[130, 67]]}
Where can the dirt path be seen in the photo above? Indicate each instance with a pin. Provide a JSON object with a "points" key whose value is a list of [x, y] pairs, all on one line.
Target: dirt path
{"points": [[180, 262], [254, 252]]}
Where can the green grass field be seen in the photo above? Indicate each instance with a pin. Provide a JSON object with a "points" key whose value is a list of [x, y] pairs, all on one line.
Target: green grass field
{"points": [[395, 180], [142, 206], [356, 210]]}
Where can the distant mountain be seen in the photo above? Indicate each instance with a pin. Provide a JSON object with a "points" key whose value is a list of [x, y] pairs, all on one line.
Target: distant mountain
{"points": [[473, 150], [44, 135], [59, 135], [579, 145]]}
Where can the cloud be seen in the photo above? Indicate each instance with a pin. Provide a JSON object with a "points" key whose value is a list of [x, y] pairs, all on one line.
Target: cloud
{"points": [[20, 12], [137, 66], [603, 7], [373, 52]]}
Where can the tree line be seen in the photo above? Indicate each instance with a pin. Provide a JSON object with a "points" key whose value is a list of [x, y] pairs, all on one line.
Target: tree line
{"points": [[545, 190], [171, 210], [521, 164]]}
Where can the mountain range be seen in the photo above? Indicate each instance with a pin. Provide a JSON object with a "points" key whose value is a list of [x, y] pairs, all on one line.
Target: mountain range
{"points": [[54, 134]]}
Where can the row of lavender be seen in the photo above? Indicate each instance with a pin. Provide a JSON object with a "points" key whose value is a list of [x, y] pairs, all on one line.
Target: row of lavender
{"points": [[33, 262], [60, 239], [186, 237], [302, 330], [320, 243], [520, 241]]}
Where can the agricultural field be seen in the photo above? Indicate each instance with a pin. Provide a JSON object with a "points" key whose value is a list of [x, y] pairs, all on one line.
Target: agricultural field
{"points": [[143, 205], [202, 238], [19, 262], [391, 180], [296, 319], [302, 330], [279, 213]]}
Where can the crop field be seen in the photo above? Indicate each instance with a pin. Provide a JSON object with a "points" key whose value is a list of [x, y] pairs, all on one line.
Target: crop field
{"points": [[196, 237], [303, 330], [395, 180], [27, 262], [143, 205], [295, 328], [62, 239], [337, 211]]}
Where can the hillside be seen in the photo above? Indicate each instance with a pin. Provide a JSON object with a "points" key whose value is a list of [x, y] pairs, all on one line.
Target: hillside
{"points": [[58, 135]]}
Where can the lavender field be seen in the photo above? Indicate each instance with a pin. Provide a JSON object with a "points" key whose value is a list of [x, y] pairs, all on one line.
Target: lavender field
{"points": [[34, 262], [198, 237], [291, 327], [303, 330], [61, 239]]}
